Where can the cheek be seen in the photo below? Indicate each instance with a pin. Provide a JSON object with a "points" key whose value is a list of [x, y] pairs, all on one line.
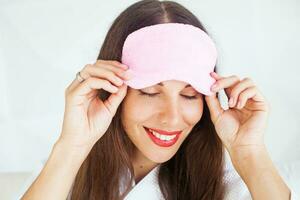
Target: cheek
{"points": [[192, 111], [136, 110]]}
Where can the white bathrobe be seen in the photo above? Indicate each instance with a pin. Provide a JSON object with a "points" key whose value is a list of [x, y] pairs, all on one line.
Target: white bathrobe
{"points": [[148, 188]]}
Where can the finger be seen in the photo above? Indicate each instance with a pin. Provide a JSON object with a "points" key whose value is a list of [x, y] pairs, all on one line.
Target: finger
{"points": [[214, 106], [92, 84], [114, 66], [106, 74], [76, 82], [244, 96], [237, 89], [226, 83], [118, 71], [113, 62], [215, 75], [106, 71], [114, 100], [249, 93]]}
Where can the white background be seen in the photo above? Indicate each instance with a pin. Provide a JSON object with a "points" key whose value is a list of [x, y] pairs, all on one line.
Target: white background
{"points": [[44, 43]]}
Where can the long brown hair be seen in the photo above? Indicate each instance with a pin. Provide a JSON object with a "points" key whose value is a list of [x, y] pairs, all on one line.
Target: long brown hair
{"points": [[194, 172]]}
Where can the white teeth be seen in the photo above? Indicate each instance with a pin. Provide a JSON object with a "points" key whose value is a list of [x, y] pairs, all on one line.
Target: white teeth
{"points": [[162, 137]]}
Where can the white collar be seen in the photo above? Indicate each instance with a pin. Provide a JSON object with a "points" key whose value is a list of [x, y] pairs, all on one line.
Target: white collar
{"points": [[148, 188]]}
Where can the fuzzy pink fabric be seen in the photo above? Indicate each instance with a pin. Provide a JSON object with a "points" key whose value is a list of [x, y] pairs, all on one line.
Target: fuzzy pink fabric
{"points": [[170, 51]]}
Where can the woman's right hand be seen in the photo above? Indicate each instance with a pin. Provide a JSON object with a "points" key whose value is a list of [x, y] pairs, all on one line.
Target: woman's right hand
{"points": [[86, 116]]}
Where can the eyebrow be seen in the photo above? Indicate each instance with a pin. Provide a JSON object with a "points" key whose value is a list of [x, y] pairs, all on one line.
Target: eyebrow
{"points": [[161, 84]]}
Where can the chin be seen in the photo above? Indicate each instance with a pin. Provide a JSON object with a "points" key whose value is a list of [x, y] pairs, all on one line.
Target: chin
{"points": [[160, 156]]}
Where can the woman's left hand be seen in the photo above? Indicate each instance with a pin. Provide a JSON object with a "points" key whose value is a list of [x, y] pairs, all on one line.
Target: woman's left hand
{"points": [[243, 124]]}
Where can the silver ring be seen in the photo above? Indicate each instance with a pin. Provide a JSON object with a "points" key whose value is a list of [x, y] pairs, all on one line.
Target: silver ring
{"points": [[79, 77]]}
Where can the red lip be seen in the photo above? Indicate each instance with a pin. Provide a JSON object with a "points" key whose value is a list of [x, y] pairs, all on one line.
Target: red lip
{"points": [[160, 142], [164, 132]]}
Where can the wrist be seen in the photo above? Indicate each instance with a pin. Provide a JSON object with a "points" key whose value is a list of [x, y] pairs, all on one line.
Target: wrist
{"points": [[247, 153], [252, 163], [255, 167], [71, 153], [244, 156]]}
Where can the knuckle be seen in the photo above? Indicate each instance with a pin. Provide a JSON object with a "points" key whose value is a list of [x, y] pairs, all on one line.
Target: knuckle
{"points": [[89, 80], [247, 79], [235, 77], [116, 62], [99, 61], [105, 82], [110, 74], [69, 95], [254, 88], [119, 72], [86, 68], [67, 89]]}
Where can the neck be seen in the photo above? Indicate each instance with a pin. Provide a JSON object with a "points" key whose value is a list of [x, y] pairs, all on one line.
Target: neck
{"points": [[142, 166]]}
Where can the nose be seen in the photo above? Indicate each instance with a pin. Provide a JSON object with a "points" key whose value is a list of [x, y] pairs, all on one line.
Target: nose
{"points": [[170, 113]]}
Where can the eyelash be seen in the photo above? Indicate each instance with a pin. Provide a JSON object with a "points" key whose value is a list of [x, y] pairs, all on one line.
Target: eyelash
{"points": [[154, 94]]}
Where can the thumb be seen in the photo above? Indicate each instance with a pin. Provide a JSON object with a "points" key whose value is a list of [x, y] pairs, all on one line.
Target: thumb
{"points": [[215, 108], [115, 99]]}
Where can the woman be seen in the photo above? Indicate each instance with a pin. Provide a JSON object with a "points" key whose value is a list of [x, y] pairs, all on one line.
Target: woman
{"points": [[103, 150]]}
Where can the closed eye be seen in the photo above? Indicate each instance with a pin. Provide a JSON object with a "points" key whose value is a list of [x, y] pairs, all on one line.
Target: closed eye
{"points": [[155, 94]]}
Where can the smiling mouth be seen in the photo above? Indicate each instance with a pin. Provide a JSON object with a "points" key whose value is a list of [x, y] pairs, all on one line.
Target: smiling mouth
{"points": [[163, 140]]}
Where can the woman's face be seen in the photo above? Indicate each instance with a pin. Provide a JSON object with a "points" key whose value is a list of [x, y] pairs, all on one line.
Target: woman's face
{"points": [[169, 109]]}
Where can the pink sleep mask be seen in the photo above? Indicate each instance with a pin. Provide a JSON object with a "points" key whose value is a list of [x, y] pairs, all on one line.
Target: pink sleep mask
{"points": [[170, 51]]}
